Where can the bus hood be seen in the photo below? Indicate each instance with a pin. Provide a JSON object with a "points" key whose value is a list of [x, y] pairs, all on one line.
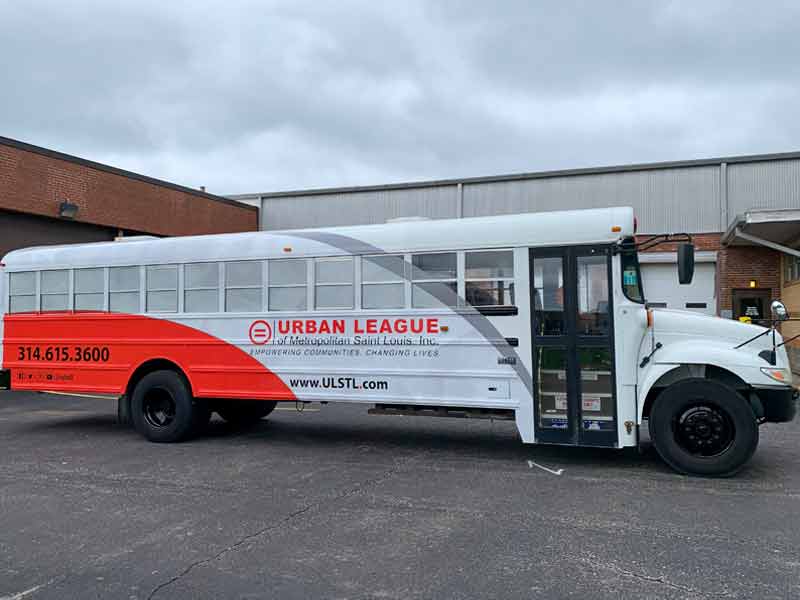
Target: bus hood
{"points": [[691, 338], [694, 324]]}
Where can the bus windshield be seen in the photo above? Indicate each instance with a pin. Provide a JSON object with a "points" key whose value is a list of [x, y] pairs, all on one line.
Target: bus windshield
{"points": [[631, 273]]}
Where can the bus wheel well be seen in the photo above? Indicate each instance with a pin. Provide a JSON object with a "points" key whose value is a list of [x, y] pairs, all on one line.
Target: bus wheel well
{"points": [[157, 364], [684, 372]]}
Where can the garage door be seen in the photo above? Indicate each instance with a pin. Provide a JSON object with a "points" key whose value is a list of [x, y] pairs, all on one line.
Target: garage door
{"points": [[661, 287]]}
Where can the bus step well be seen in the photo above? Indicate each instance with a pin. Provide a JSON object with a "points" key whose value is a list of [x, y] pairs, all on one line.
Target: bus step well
{"points": [[413, 410]]}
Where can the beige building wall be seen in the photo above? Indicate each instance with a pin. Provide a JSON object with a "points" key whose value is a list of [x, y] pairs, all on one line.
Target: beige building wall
{"points": [[790, 294]]}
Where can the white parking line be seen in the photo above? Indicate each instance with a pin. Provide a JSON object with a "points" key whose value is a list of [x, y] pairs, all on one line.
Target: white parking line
{"points": [[25, 594], [532, 464], [75, 395]]}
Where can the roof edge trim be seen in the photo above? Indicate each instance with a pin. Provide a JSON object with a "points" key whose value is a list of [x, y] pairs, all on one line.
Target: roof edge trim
{"points": [[26, 147]]}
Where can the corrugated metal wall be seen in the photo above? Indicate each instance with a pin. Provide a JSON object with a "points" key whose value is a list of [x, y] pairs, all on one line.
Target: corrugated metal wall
{"points": [[691, 198], [358, 208], [773, 184], [667, 200]]}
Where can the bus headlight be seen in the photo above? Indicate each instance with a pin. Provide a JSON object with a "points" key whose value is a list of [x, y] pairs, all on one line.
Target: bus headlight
{"points": [[781, 375]]}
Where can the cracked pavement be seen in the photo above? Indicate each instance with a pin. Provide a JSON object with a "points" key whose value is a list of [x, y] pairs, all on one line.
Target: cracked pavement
{"points": [[340, 504]]}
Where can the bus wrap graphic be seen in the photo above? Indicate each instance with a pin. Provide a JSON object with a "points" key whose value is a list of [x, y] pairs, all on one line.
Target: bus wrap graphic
{"points": [[260, 332]]}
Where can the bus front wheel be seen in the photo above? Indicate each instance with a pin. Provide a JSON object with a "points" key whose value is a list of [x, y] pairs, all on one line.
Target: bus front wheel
{"points": [[163, 410], [703, 427], [244, 412]]}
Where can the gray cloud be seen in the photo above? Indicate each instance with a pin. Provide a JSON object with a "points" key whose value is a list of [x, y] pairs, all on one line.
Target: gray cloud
{"points": [[257, 96]]}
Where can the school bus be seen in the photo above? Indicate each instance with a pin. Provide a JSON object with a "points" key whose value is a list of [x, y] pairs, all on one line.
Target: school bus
{"points": [[537, 318]]}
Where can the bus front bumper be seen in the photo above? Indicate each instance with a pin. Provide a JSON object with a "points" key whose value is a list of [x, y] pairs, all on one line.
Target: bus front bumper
{"points": [[5, 380], [780, 404]]}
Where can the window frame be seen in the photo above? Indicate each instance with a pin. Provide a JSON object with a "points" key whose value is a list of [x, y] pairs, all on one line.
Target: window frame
{"points": [[66, 293], [351, 284], [102, 293], [138, 291], [791, 271], [254, 286], [34, 295], [505, 279], [456, 279], [401, 283], [629, 257], [202, 288], [148, 289], [305, 286]]}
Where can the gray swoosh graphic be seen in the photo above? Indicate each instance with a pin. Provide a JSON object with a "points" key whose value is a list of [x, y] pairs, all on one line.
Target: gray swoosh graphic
{"points": [[441, 292]]}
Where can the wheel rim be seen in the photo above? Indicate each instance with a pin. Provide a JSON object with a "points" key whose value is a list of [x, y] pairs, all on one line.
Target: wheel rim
{"points": [[704, 430], [159, 408]]}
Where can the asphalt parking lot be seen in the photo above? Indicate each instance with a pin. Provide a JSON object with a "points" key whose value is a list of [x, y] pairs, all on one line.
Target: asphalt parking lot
{"points": [[334, 503]]}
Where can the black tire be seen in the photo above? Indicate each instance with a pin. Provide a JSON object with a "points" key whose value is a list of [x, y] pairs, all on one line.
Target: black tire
{"points": [[244, 412], [163, 410], [703, 427]]}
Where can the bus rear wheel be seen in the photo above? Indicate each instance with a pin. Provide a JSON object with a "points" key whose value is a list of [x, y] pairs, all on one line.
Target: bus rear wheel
{"points": [[703, 427], [244, 412], [163, 410]]}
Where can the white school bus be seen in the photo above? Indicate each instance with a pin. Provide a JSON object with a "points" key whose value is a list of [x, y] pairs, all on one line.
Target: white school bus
{"points": [[540, 318]]}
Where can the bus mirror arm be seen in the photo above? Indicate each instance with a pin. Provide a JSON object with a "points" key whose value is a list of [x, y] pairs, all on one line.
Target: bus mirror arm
{"points": [[685, 252], [664, 238]]}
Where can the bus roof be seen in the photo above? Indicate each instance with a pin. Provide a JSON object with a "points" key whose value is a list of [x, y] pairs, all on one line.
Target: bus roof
{"points": [[559, 228]]}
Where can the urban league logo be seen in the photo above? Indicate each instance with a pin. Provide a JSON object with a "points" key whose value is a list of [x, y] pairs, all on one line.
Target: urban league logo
{"points": [[260, 332]]}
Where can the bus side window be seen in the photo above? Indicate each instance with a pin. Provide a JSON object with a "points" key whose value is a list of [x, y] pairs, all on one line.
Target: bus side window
{"points": [[201, 288], [22, 292], [55, 290], [123, 285], [89, 289], [334, 283], [244, 286], [489, 278], [287, 284], [383, 281], [434, 278], [162, 288]]}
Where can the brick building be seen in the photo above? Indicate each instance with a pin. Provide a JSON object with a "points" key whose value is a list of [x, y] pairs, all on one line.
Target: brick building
{"points": [[48, 197]]}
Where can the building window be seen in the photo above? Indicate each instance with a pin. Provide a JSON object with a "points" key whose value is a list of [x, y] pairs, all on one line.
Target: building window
{"points": [[244, 286], [791, 268], [434, 278], [162, 288], [124, 285], [89, 289], [383, 281], [489, 278], [287, 284], [201, 288], [55, 290], [22, 292], [334, 283]]}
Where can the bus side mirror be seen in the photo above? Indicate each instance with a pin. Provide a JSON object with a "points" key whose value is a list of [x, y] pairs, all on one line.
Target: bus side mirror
{"points": [[685, 263], [779, 312]]}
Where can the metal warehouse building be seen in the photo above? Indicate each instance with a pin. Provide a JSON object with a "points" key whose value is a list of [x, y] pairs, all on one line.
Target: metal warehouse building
{"points": [[743, 211]]}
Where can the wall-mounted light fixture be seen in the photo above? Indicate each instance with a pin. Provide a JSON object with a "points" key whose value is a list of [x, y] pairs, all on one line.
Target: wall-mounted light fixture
{"points": [[67, 210]]}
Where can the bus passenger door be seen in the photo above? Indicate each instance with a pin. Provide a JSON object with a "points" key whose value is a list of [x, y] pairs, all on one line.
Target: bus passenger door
{"points": [[572, 333]]}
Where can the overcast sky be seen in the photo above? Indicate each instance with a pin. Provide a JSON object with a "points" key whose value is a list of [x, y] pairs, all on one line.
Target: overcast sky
{"points": [[267, 96]]}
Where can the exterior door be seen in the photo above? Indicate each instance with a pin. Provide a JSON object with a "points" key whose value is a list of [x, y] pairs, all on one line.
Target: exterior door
{"points": [[572, 332], [752, 303]]}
